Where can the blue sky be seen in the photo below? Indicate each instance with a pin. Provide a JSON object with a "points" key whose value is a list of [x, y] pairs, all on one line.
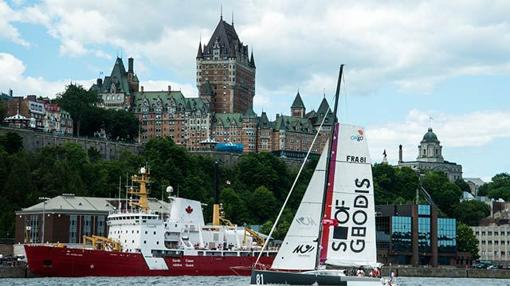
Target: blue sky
{"points": [[405, 62]]}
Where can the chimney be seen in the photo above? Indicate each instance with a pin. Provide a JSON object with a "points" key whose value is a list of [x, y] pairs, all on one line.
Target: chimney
{"points": [[169, 88], [10, 92], [400, 153], [130, 65], [141, 88], [99, 82]]}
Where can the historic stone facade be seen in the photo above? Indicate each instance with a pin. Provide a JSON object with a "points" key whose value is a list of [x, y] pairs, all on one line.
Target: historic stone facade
{"points": [[117, 90], [169, 114], [226, 72], [430, 158]]}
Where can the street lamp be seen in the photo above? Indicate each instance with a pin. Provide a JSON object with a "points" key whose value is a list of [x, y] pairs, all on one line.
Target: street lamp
{"points": [[44, 199]]}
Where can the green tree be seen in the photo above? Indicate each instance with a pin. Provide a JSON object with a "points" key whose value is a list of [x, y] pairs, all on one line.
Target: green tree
{"points": [[234, 207], [262, 204], [78, 102], [466, 240], [498, 188], [121, 125], [11, 142], [444, 193], [470, 212], [463, 186]]}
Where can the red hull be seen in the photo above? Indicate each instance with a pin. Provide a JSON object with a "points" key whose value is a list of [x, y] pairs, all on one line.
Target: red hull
{"points": [[76, 262]]}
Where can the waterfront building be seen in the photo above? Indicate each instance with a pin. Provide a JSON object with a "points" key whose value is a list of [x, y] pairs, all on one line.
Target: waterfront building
{"points": [[416, 235], [116, 90], [430, 158], [226, 71], [67, 218], [493, 234]]}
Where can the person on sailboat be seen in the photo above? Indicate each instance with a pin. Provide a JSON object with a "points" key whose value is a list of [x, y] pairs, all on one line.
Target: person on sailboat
{"points": [[360, 272]]}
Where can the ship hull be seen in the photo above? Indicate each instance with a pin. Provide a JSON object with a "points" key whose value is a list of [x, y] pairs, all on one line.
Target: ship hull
{"points": [[48, 261], [270, 277]]}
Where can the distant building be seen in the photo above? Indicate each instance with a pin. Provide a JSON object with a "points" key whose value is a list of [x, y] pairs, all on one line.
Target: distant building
{"points": [[117, 89], [416, 235], [474, 184], [38, 114], [68, 217], [226, 71], [430, 158]]}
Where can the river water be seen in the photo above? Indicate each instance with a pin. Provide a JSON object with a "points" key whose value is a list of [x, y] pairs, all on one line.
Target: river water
{"points": [[225, 280]]}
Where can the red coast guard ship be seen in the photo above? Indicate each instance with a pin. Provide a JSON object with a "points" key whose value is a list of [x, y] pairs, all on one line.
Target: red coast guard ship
{"points": [[142, 243]]}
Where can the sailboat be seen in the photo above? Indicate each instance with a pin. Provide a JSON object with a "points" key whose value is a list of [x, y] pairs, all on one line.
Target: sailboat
{"points": [[334, 225]]}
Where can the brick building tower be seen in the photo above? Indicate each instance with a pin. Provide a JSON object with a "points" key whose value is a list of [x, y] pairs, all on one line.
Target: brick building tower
{"points": [[226, 71]]}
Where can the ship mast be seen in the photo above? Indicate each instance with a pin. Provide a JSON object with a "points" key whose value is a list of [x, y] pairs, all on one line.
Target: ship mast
{"points": [[142, 192], [328, 164]]}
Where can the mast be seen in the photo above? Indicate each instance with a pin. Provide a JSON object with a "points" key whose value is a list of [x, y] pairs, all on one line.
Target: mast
{"points": [[328, 167]]}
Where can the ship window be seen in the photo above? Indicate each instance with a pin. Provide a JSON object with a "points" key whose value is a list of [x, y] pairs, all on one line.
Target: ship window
{"points": [[47, 262], [154, 233], [157, 242], [132, 241], [145, 232], [145, 242]]}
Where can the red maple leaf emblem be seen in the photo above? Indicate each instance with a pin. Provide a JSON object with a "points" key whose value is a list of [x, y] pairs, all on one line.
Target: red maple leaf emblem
{"points": [[360, 131], [189, 209]]}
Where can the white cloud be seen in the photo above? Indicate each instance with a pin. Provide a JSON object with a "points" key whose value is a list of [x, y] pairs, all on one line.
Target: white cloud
{"points": [[413, 45], [7, 30], [454, 131], [13, 78]]}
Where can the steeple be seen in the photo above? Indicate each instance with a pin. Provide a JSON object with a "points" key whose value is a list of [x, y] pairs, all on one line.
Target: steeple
{"points": [[199, 53], [297, 108], [252, 61]]}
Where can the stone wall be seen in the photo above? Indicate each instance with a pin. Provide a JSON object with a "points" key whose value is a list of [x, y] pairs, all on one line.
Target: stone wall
{"points": [[34, 140]]}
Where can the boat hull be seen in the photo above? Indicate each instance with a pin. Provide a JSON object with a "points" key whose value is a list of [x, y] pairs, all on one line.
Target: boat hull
{"points": [[49, 261], [268, 277]]}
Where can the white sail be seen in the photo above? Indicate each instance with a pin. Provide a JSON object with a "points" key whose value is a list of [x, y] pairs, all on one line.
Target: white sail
{"points": [[349, 225], [299, 248]]}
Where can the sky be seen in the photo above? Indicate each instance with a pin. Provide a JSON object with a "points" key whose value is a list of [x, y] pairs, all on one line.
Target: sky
{"points": [[409, 65]]}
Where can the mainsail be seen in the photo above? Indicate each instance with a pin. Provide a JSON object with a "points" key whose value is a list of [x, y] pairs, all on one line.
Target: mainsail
{"points": [[299, 248], [348, 234]]}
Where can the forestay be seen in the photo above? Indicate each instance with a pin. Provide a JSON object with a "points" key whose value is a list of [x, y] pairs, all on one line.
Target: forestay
{"points": [[349, 224], [299, 248]]}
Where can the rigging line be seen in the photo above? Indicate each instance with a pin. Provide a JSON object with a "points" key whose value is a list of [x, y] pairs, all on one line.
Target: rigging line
{"points": [[291, 188]]}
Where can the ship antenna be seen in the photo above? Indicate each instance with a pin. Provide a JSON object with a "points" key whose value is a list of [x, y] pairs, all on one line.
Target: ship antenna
{"points": [[120, 187]]}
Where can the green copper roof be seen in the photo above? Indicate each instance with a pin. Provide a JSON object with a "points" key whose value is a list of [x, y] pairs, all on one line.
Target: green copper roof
{"points": [[298, 102], [430, 137], [167, 101], [228, 120]]}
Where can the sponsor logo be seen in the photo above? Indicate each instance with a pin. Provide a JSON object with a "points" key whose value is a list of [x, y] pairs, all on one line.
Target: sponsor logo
{"points": [[350, 231], [359, 136], [305, 220], [189, 209], [303, 249], [355, 159]]}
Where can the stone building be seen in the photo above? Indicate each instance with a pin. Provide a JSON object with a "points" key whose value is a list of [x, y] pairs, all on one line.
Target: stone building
{"points": [[117, 90], [430, 158], [226, 71], [169, 114]]}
